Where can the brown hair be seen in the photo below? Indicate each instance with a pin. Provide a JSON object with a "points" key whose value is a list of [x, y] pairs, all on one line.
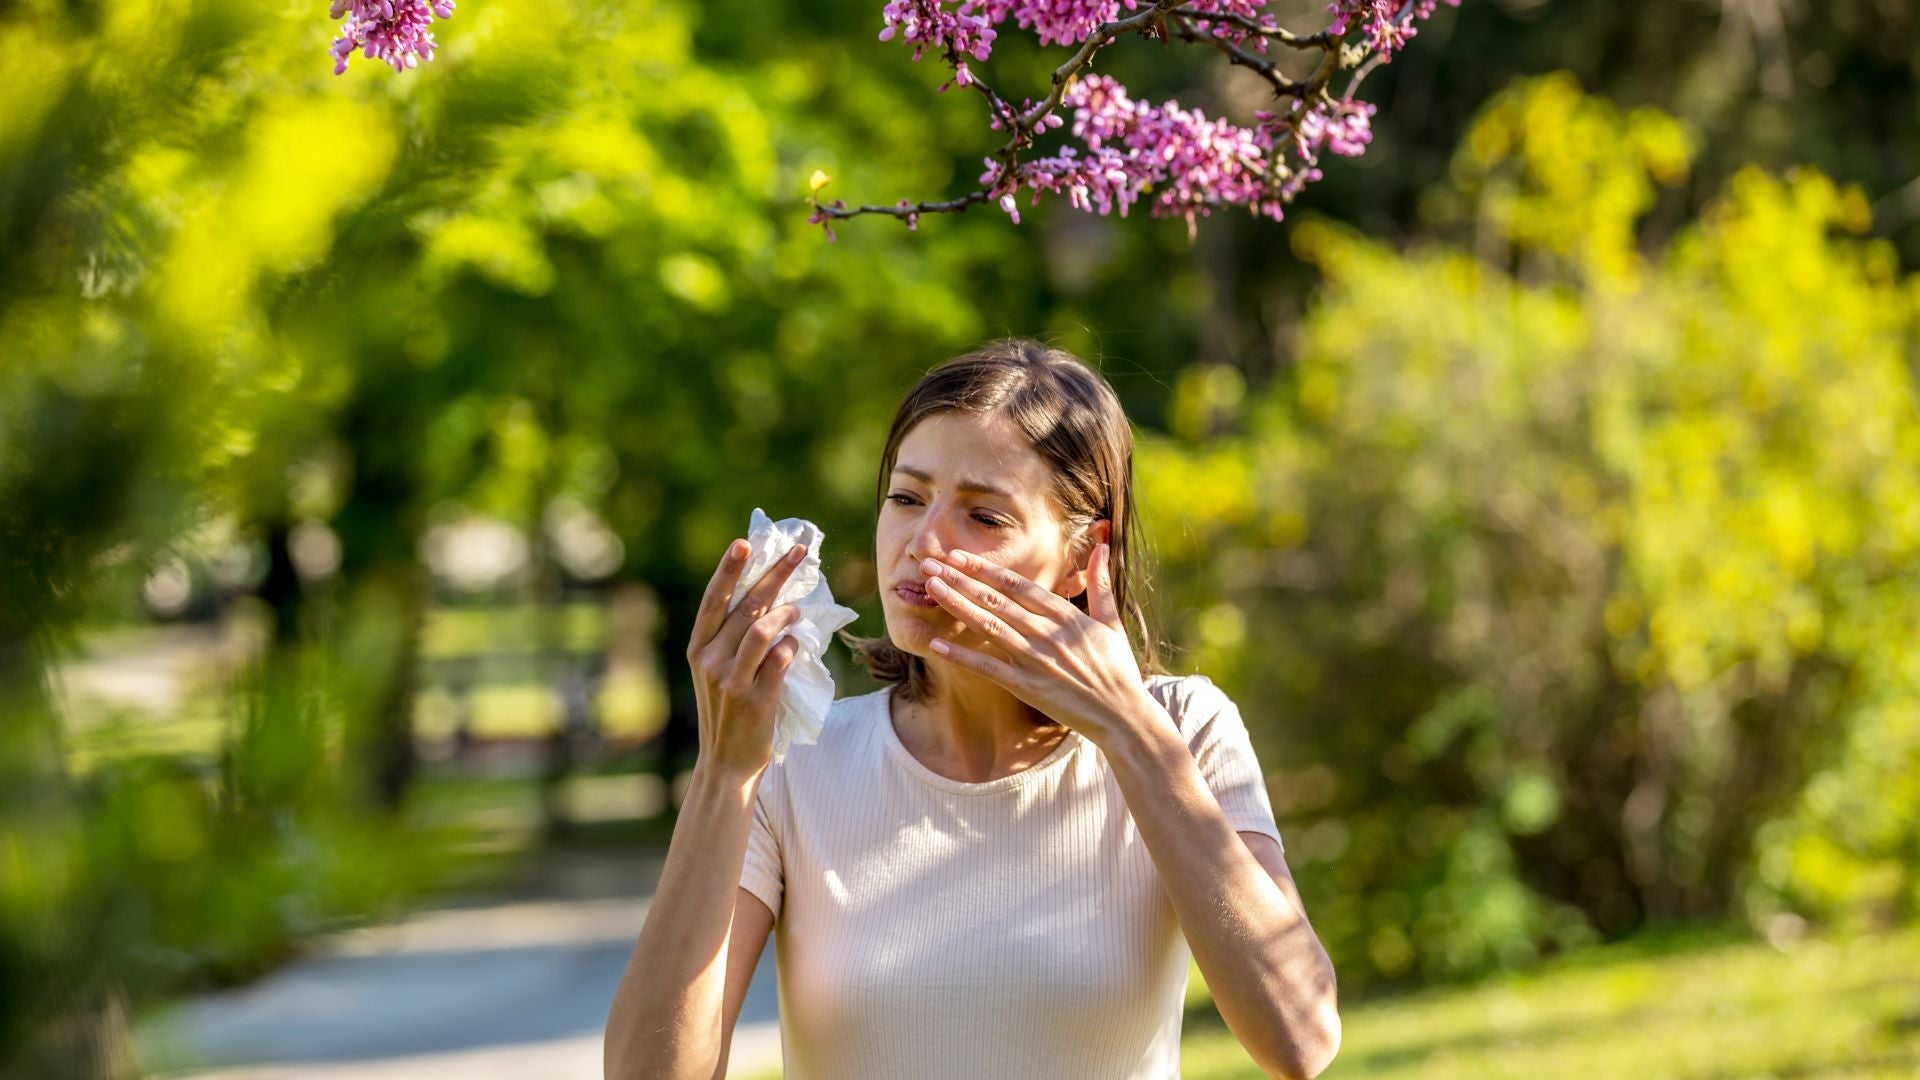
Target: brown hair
{"points": [[1073, 419]]}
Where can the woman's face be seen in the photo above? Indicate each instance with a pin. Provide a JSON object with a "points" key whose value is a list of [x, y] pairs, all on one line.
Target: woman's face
{"points": [[929, 512]]}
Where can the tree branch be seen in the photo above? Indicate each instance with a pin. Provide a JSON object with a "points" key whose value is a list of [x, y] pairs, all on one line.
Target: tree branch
{"points": [[1286, 167], [1321, 40], [1023, 126], [1282, 86]]}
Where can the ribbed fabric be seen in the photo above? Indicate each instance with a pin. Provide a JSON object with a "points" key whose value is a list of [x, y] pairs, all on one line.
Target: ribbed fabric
{"points": [[931, 928]]}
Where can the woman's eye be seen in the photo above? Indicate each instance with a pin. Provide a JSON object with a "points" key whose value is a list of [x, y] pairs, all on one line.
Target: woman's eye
{"points": [[904, 500]]}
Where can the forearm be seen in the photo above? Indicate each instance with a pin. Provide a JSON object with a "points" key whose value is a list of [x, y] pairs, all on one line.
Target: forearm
{"points": [[1270, 977], [667, 1013]]}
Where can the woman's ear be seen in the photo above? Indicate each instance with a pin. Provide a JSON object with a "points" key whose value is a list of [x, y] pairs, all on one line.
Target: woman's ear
{"points": [[1081, 579]]}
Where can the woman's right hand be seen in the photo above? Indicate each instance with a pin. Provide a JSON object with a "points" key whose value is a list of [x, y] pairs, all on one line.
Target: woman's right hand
{"points": [[736, 671]]}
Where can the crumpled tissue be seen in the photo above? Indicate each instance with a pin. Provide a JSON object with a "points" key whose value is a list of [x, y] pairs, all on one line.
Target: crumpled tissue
{"points": [[807, 690]]}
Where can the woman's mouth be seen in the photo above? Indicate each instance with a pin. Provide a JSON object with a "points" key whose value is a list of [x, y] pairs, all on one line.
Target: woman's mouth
{"points": [[913, 597]]}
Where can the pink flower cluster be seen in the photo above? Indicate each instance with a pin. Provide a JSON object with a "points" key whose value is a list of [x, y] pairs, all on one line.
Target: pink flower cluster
{"points": [[1191, 163], [1058, 22], [396, 31], [1069, 22], [1386, 24], [1188, 159], [1342, 126], [1188, 162], [928, 22], [968, 28]]}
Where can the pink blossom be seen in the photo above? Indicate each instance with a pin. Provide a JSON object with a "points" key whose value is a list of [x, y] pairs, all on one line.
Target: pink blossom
{"points": [[1190, 163], [1344, 127], [928, 22], [825, 220], [396, 31], [1058, 22], [1386, 24], [967, 27]]}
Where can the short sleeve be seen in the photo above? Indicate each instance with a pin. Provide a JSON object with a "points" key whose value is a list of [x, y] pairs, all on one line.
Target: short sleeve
{"points": [[762, 874], [1217, 735]]}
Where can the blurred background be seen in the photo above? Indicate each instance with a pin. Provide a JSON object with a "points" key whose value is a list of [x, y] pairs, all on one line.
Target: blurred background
{"points": [[1546, 489]]}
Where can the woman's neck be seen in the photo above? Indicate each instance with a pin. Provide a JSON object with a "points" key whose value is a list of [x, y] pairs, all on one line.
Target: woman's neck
{"points": [[973, 730]]}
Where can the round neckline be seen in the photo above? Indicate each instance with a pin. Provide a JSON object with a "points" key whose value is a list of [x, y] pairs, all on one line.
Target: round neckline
{"points": [[919, 771]]}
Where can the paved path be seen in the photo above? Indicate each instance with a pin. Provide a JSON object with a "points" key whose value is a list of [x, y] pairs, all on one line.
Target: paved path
{"points": [[496, 989]]}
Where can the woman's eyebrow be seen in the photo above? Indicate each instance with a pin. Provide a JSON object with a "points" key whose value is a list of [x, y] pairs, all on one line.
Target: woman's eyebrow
{"points": [[980, 486]]}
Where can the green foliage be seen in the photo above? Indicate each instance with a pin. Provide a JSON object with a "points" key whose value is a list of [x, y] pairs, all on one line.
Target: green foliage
{"points": [[1558, 568], [238, 294], [205, 889]]}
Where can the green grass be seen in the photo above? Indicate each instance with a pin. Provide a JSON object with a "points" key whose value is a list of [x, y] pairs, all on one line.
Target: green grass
{"points": [[1684, 1008]]}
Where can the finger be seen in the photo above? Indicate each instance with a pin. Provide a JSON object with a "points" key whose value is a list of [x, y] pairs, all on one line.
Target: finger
{"points": [[989, 600], [713, 603], [1101, 603], [1033, 606], [778, 660], [759, 599], [983, 622], [757, 641], [973, 660], [763, 592]]}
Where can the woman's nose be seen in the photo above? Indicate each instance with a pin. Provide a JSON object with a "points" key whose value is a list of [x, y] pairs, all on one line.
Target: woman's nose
{"points": [[932, 540]]}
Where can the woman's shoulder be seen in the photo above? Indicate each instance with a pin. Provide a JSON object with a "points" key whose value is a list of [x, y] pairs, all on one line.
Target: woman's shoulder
{"points": [[855, 712], [1192, 700], [849, 722]]}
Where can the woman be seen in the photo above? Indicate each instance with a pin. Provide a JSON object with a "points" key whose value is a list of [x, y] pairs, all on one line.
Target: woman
{"points": [[995, 866]]}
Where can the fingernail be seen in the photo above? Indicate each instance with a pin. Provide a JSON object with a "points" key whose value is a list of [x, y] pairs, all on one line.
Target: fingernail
{"points": [[736, 551]]}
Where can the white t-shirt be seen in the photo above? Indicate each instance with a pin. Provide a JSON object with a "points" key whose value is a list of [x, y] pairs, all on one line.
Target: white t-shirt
{"points": [[929, 928]]}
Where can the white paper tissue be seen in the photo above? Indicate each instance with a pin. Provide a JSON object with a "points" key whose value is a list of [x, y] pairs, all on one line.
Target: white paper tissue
{"points": [[807, 692]]}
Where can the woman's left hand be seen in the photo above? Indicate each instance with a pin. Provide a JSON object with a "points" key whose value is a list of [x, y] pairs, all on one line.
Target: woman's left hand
{"points": [[1077, 668]]}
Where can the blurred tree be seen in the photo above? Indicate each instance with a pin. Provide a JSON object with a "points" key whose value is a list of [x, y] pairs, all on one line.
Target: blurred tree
{"points": [[233, 285], [567, 261], [1832, 85], [1562, 573], [1851, 107], [97, 459]]}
